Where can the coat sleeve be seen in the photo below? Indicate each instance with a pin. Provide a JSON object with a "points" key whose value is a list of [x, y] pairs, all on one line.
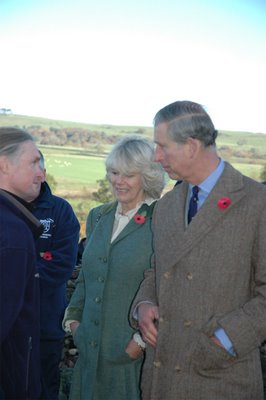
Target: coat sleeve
{"points": [[246, 327], [74, 310], [146, 293], [64, 247], [147, 289]]}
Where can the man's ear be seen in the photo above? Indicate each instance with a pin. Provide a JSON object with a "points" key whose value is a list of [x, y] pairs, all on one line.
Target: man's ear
{"points": [[194, 146], [4, 164]]}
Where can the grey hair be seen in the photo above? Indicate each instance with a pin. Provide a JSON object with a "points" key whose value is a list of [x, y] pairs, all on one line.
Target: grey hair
{"points": [[42, 162], [187, 120], [11, 139], [134, 154]]}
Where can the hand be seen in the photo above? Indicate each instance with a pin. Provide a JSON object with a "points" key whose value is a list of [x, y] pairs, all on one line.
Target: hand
{"points": [[74, 326], [148, 314], [216, 341], [133, 350]]}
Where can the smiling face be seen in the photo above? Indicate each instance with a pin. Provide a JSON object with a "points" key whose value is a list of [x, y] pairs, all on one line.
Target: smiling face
{"points": [[174, 157], [22, 174], [126, 188]]}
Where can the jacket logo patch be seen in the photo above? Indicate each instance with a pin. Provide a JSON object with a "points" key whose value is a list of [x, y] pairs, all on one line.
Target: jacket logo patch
{"points": [[47, 225]]}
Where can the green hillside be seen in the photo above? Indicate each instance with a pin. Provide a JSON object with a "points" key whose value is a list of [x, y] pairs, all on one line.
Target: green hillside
{"points": [[26, 122]]}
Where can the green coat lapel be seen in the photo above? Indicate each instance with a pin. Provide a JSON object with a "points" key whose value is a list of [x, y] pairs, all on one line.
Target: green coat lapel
{"points": [[146, 212], [102, 222]]}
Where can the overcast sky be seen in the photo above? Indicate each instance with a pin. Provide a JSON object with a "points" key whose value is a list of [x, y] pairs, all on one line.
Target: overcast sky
{"points": [[119, 61]]}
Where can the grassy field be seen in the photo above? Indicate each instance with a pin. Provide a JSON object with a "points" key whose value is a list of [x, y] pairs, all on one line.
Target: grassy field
{"points": [[246, 140], [73, 171]]}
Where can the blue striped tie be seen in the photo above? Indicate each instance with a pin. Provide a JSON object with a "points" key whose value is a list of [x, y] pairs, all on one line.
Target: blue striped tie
{"points": [[193, 204]]}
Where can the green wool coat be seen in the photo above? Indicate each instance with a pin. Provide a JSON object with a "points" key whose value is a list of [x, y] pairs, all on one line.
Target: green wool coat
{"points": [[109, 279]]}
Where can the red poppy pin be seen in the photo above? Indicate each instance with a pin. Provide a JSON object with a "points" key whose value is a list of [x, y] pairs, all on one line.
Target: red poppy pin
{"points": [[224, 202], [140, 218], [47, 255]]}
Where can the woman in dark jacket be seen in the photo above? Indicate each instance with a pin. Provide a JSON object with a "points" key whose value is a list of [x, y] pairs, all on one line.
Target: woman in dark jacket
{"points": [[20, 179]]}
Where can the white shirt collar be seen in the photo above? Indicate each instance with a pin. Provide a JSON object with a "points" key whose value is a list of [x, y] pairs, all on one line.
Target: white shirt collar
{"points": [[133, 211]]}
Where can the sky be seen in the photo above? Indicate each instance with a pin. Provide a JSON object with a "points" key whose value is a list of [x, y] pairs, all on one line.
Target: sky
{"points": [[119, 61]]}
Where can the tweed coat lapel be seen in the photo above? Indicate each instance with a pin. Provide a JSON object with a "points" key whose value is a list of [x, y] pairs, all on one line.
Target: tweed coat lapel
{"points": [[180, 239]]}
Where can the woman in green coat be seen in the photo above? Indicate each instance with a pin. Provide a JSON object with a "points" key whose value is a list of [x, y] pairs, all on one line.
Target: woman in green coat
{"points": [[117, 252]]}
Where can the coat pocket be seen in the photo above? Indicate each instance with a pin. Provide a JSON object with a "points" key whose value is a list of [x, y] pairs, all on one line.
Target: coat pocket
{"points": [[209, 356], [123, 359]]}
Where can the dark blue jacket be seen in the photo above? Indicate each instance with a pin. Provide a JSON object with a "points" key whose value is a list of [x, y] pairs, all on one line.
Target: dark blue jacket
{"points": [[60, 240], [19, 305]]}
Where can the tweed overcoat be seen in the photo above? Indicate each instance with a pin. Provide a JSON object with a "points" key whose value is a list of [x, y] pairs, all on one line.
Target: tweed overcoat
{"points": [[209, 274], [108, 281]]}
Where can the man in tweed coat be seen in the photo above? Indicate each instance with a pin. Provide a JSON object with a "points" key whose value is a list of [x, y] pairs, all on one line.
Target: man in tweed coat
{"points": [[202, 309]]}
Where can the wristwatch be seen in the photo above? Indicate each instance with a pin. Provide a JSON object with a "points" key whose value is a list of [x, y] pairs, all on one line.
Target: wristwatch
{"points": [[138, 339]]}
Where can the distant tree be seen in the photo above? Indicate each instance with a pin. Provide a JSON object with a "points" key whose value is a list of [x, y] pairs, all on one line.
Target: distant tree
{"points": [[263, 174], [103, 194], [99, 148], [5, 111], [51, 181], [81, 209]]}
